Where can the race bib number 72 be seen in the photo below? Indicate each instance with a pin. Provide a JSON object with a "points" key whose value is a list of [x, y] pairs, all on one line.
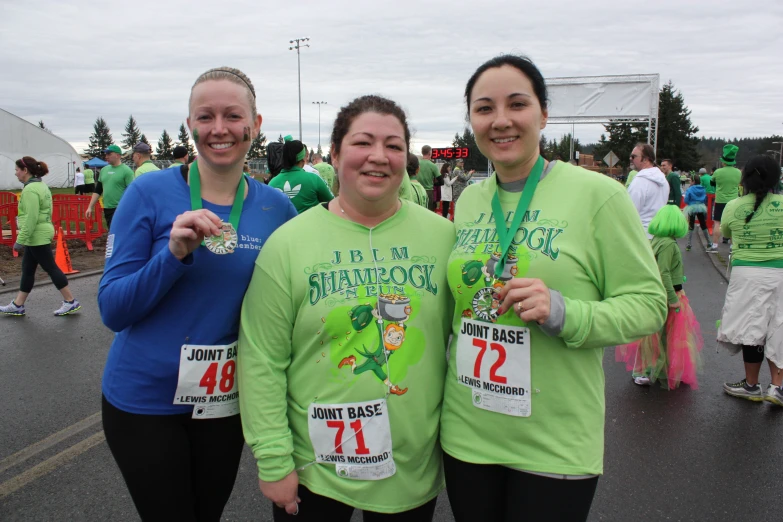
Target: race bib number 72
{"points": [[494, 361]]}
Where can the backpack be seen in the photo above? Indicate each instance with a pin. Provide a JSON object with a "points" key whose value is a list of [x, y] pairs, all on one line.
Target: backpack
{"points": [[274, 158]]}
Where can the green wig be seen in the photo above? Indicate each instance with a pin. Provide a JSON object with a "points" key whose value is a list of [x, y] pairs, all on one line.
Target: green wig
{"points": [[668, 222]]}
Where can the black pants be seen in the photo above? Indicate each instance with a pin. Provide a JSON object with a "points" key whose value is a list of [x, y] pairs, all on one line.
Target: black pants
{"points": [[445, 206], [497, 493], [702, 220], [40, 255], [175, 467], [431, 199], [318, 508], [108, 213], [88, 188]]}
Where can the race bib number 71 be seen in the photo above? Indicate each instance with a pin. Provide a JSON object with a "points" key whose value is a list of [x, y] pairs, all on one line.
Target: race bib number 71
{"points": [[494, 361]]}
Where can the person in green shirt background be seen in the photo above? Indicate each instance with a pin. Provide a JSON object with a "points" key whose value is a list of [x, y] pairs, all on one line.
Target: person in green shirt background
{"points": [[113, 179], [419, 194], [706, 181], [325, 170], [342, 341], [35, 237], [726, 181], [630, 177], [181, 155], [753, 311], [304, 189], [142, 158], [428, 172], [89, 181], [675, 187]]}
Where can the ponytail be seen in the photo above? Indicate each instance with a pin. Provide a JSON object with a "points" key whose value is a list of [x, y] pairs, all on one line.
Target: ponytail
{"points": [[37, 169]]}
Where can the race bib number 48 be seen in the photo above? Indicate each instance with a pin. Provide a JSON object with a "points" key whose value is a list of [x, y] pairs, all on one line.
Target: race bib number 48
{"points": [[494, 361], [356, 437], [207, 380]]}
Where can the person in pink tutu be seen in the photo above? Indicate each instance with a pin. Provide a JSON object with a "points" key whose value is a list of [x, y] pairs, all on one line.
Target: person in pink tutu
{"points": [[670, 356]]}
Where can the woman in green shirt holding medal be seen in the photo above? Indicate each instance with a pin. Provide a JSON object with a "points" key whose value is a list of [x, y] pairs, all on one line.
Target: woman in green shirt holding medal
{"points": [[539, 292]]}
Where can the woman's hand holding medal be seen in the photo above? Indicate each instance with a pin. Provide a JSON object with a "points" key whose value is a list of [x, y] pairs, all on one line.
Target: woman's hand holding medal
{"points": [[190, 229], [530, 299]]}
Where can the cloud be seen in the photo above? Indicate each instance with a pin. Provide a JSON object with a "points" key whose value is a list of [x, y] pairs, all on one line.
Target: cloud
{"points": [[68, 63]]}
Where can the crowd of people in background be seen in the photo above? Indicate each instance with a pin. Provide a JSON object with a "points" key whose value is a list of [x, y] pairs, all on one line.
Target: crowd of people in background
{"points": [[309, 314]]}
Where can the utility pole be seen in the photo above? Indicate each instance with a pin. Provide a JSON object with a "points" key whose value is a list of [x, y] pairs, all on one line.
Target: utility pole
{"points": [[297, 44], [319, 103]]}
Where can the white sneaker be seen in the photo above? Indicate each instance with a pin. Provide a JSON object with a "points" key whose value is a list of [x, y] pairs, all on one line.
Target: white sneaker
{"points": [[774, 395], [713, 249], [68, 308], [642, 380]]}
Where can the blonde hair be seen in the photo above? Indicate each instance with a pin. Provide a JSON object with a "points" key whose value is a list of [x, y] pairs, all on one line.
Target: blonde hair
{"points": [[234, 76]]}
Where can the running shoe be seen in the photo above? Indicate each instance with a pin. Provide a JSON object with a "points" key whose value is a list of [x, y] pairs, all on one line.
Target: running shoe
{"points": [[713, 249], [68, 308], [774, 395], [642, 380], [744, 391], [12, 309]]}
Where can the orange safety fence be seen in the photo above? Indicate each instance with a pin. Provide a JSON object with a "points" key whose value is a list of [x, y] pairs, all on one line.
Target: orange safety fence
{"points": [[8, 213], [7, 197], [69, 211]]}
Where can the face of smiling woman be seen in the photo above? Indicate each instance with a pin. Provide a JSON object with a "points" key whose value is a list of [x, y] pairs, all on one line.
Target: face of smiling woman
{"points": [[221, 114], [371, 161], [507, 119]]}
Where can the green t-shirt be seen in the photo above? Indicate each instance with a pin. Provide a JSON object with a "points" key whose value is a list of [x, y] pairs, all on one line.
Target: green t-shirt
{"points": [[89, 176], [669, 259], [115, 180], [419, 193], [35, 215], [406, 189], [145, 167], [569, 239], [727, 180], [705, 182], [327, 174], [631, 175], [760, 242], [308, 311], [428, 171], [304, 189]]}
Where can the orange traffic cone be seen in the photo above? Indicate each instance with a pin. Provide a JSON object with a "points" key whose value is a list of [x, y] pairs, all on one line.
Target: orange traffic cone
{"points": [[62, 257]]}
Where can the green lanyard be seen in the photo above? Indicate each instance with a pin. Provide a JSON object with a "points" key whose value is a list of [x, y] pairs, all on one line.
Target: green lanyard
{"points": [[506, 235], [195, 196]]}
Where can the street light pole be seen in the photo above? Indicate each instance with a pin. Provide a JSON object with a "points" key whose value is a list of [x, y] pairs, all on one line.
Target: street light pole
{"points": [[319, 103], [297, 44]]}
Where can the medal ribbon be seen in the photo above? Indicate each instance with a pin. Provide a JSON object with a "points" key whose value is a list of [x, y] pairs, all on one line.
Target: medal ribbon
{"points": [[506, 235], [195, 196]]}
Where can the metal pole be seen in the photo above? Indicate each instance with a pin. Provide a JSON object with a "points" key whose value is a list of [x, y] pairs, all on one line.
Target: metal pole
{"points": [[319, 103], [297, 44]]}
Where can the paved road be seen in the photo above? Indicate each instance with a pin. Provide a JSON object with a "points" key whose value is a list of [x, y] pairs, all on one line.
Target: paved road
{"points": [[684, 455]]}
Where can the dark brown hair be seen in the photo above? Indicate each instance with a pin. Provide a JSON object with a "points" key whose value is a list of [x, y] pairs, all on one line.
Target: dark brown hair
{"points": [[368, 103], [413, 164], [759, 177], [37, 168], [523, 64], [647, 151]]}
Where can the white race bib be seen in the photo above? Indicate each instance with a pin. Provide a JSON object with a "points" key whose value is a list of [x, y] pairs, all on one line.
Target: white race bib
{"points": [[207, 380], [356, 437], [494, 361]]}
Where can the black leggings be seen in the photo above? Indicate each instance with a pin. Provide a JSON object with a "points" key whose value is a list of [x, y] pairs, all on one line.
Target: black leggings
{"points": [[702, 220], [752, 354], [108, 213], [497, 493], [40, 255], [317, 508], [445, 206], [175, 467]]}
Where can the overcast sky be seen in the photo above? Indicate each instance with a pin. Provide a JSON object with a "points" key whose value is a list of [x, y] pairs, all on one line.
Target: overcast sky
{"points": [[70, 62]]}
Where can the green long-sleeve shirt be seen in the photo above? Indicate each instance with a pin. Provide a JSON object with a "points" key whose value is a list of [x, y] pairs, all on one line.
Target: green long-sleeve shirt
{"points": [[581, 236], [667, 254], [313, 304], [675, 189], [35, 214]]}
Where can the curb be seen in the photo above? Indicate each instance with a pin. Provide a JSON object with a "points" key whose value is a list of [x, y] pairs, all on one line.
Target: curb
{"points": [[720, 263], [8, 290]]}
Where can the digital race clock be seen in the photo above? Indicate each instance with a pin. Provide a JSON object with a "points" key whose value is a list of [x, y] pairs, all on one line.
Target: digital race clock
{"points": [[450, 153]]}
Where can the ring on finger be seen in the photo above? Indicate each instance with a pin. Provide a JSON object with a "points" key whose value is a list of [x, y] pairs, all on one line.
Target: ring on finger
{"points": [[519, 307]]}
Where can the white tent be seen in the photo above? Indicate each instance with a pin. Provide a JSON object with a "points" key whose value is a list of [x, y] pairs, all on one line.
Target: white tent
{"points": [[19, 138]]}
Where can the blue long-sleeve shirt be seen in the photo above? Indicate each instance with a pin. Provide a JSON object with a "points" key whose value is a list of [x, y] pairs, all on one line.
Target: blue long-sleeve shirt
{"points": [[156, 303], [695, 194]]}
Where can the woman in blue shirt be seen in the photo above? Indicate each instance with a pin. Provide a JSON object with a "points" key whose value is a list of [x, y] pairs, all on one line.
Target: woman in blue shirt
{"points": [[180, 255]]}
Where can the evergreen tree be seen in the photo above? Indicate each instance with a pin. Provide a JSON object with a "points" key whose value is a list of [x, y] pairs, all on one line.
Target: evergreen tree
{"points": [[99, 139], [165, 150], [280, 139], [475, 160], [144, 139], [184, 140], [132, 134], [676, 134], [623, 137], [258, 147]]}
